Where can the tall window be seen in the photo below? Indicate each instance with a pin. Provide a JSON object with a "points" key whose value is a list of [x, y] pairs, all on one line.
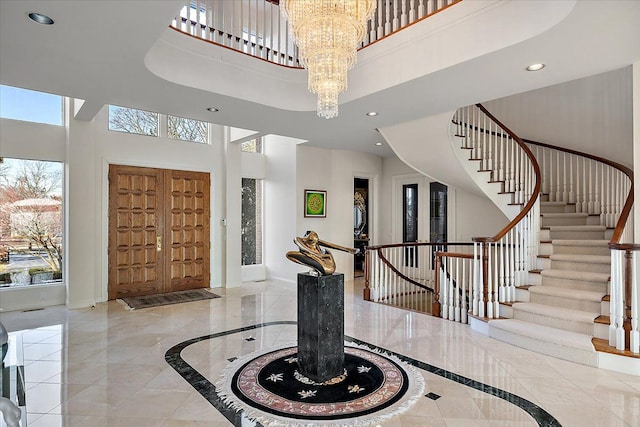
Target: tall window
{"points": [[410, 222], [187, 129], [251, 221], [253, 146], [30, 106], [438, 213], [131, 120], [30, 222]]}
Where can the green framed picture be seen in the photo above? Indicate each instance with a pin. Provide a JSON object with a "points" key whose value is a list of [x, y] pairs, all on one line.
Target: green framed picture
{"points": [[315, 204]]}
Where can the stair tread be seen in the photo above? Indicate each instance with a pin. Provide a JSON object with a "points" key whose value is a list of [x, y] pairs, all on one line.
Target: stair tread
{"points": [[555, 203], [577, 227], [564, 214], [584, 276], [545, 333], [568, 242], [591, 259], [560, 313], [567, 293]]}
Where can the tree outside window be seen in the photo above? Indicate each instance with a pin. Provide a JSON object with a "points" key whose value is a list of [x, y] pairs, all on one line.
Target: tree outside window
{"points": [[187, 129], [251, 221], [30, 222]]}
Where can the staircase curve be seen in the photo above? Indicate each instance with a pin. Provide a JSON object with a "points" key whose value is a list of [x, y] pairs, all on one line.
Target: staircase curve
{"points": [[578, 213]]}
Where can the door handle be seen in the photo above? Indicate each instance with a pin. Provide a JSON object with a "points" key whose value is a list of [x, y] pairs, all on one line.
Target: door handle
{"points": [[158, 243]]}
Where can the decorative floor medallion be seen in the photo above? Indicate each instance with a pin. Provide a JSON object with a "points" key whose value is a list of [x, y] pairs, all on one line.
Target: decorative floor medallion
{"points": [[269, 388]]}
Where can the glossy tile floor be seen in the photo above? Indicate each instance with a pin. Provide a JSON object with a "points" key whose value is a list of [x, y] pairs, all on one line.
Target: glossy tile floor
{"points": [[106, 367]]}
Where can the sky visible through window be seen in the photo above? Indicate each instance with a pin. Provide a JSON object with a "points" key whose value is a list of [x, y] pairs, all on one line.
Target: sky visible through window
{"points": [[29, 105]]}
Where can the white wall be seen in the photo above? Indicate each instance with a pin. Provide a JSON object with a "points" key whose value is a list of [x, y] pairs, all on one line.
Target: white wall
{"points": [[87, 149], [26, 140], [334, 171], [280, 207], [592, 115], [468, 215]]}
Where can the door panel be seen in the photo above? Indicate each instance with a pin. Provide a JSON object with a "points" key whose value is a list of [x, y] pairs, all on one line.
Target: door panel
{"points": [[158, 231], [135, 266], [188, 230]]}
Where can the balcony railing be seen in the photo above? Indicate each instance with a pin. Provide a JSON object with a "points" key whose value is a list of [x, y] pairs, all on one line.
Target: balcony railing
{"points": [[257, 28]]}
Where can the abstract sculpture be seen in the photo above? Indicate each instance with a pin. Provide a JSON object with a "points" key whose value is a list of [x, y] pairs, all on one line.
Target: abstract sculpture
{"points": [[312, 254]]}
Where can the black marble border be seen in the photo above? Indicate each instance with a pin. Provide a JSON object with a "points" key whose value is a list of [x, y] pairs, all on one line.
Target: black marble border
{"points": [[208, 390]]}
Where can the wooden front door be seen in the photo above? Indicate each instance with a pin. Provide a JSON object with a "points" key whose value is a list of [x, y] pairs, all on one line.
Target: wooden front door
{"points": [[158, 231]]}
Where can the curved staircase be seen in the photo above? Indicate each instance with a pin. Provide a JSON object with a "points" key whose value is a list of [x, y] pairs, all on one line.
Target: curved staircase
{"points": [[556, 314], [563, 303]]}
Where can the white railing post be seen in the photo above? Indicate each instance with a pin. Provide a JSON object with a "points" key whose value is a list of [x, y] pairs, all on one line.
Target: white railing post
{"points": [[634, 335]]}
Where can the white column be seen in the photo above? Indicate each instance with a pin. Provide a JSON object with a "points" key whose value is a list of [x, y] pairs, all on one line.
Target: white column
{"points": [[81, 275], [232, 220], [636, 148]]}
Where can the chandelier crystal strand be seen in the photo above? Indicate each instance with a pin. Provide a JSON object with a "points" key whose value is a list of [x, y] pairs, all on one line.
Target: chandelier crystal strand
{"points": [[327, 33]]}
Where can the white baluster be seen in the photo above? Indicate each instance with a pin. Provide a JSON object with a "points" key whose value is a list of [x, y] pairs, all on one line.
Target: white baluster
{"points": [[387, 22], [396, 19], [634, 335], [457, 290], [421, 10], [444, 289], [481, 305], [452, 289], [412, 11], [476, 271], [618, 303], [490, 293], [404, 17], [465, 281]]}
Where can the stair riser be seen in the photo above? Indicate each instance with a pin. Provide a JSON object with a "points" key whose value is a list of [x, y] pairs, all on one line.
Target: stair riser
{"points": [[545, 249], [522, 295], [569, 303], [593, 220], [557, 208], [576, 235], [581, 250], [605, 308], [543, 263], [552, 349], [580, 285], [581, 266], [601, 331], [535, 279], [579, 327], [547, 222]]}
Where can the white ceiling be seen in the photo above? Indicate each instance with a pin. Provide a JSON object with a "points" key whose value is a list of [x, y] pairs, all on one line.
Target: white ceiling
{"points": [[103, 52]]}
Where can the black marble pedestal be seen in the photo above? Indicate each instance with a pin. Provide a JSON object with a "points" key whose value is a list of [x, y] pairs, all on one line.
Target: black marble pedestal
{"points": [[321, 326]]}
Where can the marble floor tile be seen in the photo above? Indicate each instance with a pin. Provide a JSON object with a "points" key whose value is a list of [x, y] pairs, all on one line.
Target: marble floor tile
{"points": [[106, 367]]}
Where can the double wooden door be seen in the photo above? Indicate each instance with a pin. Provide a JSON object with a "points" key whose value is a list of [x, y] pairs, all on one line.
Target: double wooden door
{"points": [[158, 231]]}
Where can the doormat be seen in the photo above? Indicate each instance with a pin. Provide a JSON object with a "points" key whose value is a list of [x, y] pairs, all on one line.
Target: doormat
{"points": [[269, 389], [147, 301]]}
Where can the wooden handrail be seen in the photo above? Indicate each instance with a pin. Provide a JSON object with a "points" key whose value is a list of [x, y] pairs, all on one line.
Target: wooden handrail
{"points": [[625, 246], [536, 190], [400, 274], [277, 3], [453, 255], [295, 67], [628, 204], [413, 244]]}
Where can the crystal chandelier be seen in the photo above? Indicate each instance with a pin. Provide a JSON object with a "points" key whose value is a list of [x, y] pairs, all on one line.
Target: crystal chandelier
{"points": [[327, 33]]}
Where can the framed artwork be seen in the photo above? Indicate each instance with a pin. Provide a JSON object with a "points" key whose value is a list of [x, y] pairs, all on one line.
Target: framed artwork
{"points": [[315, 204]]}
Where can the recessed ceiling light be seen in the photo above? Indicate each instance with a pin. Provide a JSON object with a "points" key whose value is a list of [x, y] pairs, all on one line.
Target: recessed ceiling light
{"points": [[40, 18], [213, 109], [372, 114], [535, 67], [378, 144]]}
